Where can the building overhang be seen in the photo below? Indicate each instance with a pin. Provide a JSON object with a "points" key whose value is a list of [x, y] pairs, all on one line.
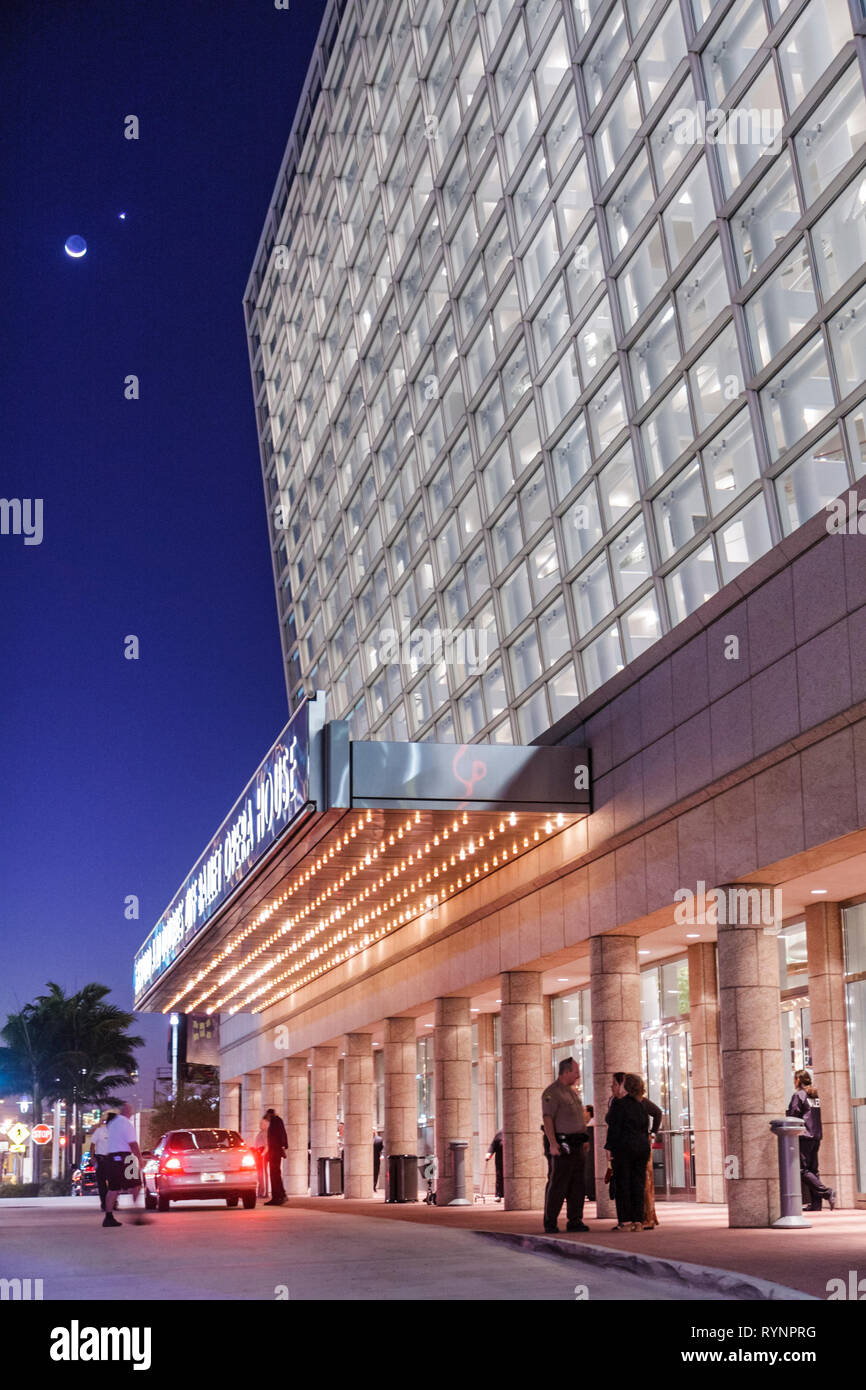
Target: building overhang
{"points": [[334, 845]]}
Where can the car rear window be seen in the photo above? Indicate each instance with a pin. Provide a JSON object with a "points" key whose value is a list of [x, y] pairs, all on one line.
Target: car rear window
{"points": [[185, 1140]]}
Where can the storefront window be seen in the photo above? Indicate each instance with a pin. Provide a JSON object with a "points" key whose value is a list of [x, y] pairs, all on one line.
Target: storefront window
{"points": [[571, 1035], [426, 1096]]}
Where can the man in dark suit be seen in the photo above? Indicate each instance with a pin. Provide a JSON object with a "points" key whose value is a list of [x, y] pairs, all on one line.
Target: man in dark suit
{"points": [[278, 1147]]}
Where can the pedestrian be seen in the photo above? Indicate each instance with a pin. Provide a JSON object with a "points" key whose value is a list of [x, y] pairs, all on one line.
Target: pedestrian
{"points": [[378, 1145], [278, 1147], [654, 1119], [589, 1161], [565, 1133], [123, 1164], [99, 1152], [805, 1105], [257, 1140], [627, 1144], [496, 1152]]}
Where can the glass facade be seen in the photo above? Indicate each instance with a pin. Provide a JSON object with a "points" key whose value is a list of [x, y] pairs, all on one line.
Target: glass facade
{"points": [[554, 329], [854, 928]]}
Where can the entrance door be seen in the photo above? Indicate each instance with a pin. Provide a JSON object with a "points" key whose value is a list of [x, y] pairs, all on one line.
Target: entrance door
{"points": [[669, 1070]]}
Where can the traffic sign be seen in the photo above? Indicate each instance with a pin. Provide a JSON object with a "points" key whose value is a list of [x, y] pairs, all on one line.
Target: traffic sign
{"points": [[41, 1134], [19, 1133]]}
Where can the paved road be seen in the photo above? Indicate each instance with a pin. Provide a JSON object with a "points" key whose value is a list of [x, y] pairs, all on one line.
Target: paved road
{"points": [[206, 1251]]}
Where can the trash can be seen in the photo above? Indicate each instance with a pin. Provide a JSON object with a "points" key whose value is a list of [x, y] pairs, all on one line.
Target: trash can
{"points": [[330, 1177], [401, 1178]]}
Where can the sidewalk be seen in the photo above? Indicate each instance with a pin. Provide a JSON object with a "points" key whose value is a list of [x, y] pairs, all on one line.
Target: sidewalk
{"points": [[698, 1234]]}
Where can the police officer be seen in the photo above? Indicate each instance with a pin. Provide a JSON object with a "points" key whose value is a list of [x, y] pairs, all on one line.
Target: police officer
{"points": [[565, 1133]]}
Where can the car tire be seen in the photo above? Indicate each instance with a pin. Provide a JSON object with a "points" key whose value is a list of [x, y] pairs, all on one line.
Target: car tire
{"points": [[231, 1201], [249, 1200], [163, 1203], [150, 1202]]}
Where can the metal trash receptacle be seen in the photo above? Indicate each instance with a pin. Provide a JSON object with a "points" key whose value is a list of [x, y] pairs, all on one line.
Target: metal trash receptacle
{"points": [[330, 1171], [401, 1178]]}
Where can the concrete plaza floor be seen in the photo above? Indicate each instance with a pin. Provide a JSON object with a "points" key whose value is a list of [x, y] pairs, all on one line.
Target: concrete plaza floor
{"points": [[801, 1259], [203, 1251]]}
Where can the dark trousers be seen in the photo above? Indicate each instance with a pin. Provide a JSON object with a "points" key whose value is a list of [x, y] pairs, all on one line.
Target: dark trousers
{"points": [[377, 1160], [565, 1183], [814, 1190], [101, 1179], [275, 1161], [629, 1176], [498, 1165]]}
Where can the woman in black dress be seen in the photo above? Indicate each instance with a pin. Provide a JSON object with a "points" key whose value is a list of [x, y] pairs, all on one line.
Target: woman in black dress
{"points": [[628, 1145]]}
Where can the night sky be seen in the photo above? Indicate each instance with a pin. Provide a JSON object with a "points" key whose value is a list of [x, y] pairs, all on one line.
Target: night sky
{"points": [[114, 774]]}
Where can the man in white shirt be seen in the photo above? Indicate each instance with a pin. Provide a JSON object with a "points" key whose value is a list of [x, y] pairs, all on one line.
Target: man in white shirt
{"points": [[98, 1152], [123, 1163]]}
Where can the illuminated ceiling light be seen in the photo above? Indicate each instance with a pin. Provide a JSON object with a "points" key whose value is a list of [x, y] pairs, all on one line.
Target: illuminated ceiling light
{"points": [[817, 891], [560, 819], [512, 819]]}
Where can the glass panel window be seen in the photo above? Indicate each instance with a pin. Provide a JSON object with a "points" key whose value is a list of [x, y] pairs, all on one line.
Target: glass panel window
{"points": [[525, 660], [716, 378], [554, 64], [811, 482], [797, 398], [515, 598], [563, 134], [655, 355], [692, 583], [519, 132], [630, 201], [605, 57], [668, 432], [595, 341], [571, 458], [642, 277], [781, 307], [560, 391], [848, 344], [564, 695], [574, 202], [544, 567], [641, 626], [607, 412], [534, 503], [673, 137], [629, 559], [507, 536], [498, 477], [593, 596], [581, 526], [744, 539], [809, 48], [510, 66], [733, 46], [730, 462], [532, 717], [618, 485], [680, 510], [540, 257], [702, 295], [689, 213], [550, 322], [751, 130], [666, 48], [602, 658], [529, 195], [584, 270], [833, 134], [617, 129], [765, 218], [839, 238], [553, 632]]}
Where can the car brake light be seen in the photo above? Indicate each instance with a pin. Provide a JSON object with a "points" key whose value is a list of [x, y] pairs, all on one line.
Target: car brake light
{"points": [[248, 1161], [173, 1165]]}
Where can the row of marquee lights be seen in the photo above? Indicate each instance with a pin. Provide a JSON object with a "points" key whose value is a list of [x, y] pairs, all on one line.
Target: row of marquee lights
{"points": [[475, 845]]}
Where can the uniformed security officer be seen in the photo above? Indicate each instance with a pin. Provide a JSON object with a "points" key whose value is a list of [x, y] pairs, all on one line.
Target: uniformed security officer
{"points": [[565, 1134]]}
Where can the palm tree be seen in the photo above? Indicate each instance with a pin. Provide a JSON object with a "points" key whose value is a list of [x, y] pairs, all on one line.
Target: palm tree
{"points": [[73, 1048]]}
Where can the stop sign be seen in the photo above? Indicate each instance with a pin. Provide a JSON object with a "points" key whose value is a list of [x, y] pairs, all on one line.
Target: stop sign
{"points": [[41, 1134]]}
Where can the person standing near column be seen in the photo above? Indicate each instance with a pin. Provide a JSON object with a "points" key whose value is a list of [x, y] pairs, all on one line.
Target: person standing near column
{"points": [[496, 1152], [278, 1147], [565, 1133], [806, 1106], [654, 1119], [628, 1144]]}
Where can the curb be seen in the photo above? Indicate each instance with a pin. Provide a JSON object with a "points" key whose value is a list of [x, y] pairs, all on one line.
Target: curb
{"points": [[702, 1277]]}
